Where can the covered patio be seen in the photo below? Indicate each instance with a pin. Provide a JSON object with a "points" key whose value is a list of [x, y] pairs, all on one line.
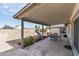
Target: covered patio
{"points": [[45, 14]]}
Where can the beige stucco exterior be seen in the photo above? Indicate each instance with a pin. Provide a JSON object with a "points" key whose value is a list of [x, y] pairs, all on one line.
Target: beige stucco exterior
{"points": [[70, 27]]}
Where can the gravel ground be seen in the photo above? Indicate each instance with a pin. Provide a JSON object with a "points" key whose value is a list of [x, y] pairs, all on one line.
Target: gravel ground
{"points": [[3, 44], [11, 34]]}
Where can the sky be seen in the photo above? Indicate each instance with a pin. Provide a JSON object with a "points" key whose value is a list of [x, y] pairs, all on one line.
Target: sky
{"points": [[7, 10]]}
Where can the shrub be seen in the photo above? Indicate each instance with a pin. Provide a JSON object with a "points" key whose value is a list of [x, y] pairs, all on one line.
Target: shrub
{"points": [[40, 38], [28, 41], [31, 39]]}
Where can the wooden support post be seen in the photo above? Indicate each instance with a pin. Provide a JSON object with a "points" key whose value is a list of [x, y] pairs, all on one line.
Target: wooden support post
{"points": [[22, 33], [42, 31], [49, 31]]}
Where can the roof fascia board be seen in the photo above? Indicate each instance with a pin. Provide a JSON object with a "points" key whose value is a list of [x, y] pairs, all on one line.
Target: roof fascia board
{"points": [[24, 8]]}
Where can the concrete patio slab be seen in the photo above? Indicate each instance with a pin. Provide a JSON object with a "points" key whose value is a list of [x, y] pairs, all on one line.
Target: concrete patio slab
{"points": [[47, 47], [15, 52]]}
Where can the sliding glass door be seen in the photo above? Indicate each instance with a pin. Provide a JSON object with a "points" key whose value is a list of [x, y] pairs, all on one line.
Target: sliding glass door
{"points": [[76, 34]]}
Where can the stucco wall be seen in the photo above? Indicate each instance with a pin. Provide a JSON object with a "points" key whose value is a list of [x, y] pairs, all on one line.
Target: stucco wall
{"points": [[73, 17], [55, 30]]}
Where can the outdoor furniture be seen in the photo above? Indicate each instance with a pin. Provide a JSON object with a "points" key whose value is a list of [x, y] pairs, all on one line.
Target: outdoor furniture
{"points": [[54, 36]]}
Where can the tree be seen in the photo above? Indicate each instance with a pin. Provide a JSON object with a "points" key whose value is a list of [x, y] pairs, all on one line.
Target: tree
{"points": [[7, 27], [37, 29]]}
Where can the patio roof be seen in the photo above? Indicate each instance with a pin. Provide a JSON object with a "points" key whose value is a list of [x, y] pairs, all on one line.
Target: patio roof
{"points": [[46, 13]]}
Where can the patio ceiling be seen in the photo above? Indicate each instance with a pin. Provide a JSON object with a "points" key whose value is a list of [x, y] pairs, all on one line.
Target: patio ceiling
{"points": [[46, 13]]}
